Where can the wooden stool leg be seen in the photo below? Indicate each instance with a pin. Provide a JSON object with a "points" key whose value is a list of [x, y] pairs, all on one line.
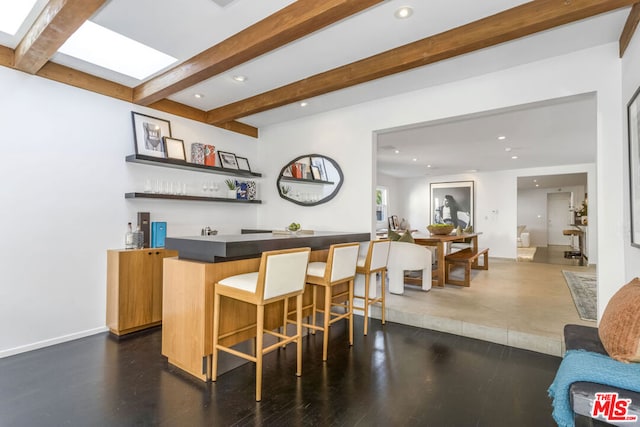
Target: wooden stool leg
{"points": [[259, 352], [366, 301], [216, 330], [383, 286], [299, 334], [313, 309], [351, 311], [327, 318]]}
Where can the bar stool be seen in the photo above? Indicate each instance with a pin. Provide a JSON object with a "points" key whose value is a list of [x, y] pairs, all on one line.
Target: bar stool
{"points": [[281, 275], [339, 268], [375, 261]]}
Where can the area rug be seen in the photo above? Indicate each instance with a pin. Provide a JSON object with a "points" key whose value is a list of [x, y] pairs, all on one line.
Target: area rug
{"points": [[526, 254], [583, 291]]}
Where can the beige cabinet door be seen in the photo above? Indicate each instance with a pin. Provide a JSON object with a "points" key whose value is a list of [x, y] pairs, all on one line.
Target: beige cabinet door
{"points": [[136, 288]]}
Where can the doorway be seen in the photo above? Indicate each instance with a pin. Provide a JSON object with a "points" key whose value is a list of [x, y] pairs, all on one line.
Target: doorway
{"points": [[558, 218]]}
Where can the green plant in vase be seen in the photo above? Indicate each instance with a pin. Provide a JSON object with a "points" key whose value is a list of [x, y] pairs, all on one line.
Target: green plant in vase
{"points": [[285, 189], [231, 185]]}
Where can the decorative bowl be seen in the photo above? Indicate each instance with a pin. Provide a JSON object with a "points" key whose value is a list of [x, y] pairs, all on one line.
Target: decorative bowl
{"points": [[440, 228]]}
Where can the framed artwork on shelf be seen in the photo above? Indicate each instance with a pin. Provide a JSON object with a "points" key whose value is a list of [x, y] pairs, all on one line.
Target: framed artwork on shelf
{"points": [[174, 148], [633, 113], [315, 172], [148, 134], [243, 164], [228, 160], [452, 203], [319, 163]]}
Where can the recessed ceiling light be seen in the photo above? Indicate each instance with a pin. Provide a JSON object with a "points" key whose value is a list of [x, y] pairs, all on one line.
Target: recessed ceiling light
{"points": [[240, 78], [414, 159], [514, 157], [397, 151], [13, 15], [507, 149], [108, 49], [535, 180], [403, 12], [428, 166], [198, 95], [304, 103], [502, 137], [537, 185]]}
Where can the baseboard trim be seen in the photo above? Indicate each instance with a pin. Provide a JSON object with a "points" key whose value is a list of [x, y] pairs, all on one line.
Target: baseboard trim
{"points": [[50, 342]]}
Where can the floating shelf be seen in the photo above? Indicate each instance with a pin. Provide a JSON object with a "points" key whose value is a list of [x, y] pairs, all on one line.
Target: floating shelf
{"points": [[181, 164], [305, 181], [185, 197]]}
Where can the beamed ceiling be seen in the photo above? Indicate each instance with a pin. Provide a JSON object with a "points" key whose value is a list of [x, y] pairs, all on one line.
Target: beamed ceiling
{"points": [[304, 49]]}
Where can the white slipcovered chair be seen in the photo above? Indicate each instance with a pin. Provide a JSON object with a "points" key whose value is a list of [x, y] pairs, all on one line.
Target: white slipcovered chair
{"points": [[408, 256]]}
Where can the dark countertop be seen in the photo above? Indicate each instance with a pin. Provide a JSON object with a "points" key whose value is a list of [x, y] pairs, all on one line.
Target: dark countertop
{"points": [[221, 248]]}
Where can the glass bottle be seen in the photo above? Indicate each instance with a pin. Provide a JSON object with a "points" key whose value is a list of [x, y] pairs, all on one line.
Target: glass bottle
{"points": [[129, 242]]}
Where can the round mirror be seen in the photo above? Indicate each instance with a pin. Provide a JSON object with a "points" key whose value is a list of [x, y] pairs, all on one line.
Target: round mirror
{"points": [[310, 180]]}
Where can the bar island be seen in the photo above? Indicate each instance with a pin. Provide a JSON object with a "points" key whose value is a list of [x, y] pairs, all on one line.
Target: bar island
{"points": [[188, 280]]}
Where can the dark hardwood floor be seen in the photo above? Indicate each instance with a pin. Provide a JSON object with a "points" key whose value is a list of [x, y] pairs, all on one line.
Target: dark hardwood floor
{"points": [[397, 376]]}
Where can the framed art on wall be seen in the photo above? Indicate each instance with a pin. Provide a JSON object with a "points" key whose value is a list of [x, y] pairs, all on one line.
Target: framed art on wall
{"points": [[228, 160], [243, 163], [633, 116], [148, 133], [174, 148], [452, 203]]}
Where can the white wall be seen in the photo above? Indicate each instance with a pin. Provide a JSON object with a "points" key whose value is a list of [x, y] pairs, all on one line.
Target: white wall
{"points": [[64, 179], [348, 135], [630, 83]]}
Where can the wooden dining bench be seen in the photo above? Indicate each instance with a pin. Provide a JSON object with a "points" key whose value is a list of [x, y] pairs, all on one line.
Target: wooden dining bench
{"points": [[469, 259]]}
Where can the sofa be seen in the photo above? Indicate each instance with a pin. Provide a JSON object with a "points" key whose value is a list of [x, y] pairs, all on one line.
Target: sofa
{"points": [[582, 394], [404, 256], [598, 380]]}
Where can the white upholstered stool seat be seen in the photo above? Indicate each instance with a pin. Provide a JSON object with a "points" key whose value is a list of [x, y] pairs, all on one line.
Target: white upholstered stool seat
{"points": [[340, 268], [374, 260], [282, 275]]}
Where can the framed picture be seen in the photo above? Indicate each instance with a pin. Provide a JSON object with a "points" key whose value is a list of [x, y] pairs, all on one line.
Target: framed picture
{"points": [[148, 133], [452, 203], [319, 163], [394, 224], [228, 160], [315, 172], [243, 163], [174, 148], [633, 113]]}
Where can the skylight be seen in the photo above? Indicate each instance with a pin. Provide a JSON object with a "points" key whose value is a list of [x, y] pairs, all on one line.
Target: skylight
{"points": [[13, 13], [101, 46]]}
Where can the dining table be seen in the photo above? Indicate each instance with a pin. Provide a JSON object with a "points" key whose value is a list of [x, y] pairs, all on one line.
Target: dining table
{"points": [[441, 243]]}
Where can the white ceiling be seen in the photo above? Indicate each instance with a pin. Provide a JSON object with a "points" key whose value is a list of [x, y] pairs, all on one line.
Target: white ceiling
{"points": [[187, 27]]}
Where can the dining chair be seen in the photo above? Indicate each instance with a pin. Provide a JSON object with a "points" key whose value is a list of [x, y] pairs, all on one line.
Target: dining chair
{"points": [[281, 275], [369, 265]]}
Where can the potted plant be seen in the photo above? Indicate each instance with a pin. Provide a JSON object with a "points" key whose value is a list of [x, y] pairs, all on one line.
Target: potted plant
{"points": [[231, 185]]}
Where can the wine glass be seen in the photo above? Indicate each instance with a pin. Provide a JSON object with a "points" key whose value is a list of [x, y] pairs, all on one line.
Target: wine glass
{"points": [[204, 187]]}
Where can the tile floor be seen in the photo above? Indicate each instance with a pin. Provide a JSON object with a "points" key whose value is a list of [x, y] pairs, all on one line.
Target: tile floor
{"points": [[520, 304]]}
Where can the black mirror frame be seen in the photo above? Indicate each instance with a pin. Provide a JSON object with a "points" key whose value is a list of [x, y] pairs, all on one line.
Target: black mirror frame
{"points": [[319, 202]]}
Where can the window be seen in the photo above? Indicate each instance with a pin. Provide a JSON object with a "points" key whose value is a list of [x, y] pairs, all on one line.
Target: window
{"points": [[381, 206]]}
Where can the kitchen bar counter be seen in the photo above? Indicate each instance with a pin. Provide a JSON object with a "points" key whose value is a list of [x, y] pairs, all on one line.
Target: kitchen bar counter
{"points": [[188, 281], [241, 246]]}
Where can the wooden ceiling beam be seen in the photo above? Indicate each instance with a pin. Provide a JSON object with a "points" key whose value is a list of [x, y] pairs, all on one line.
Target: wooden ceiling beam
{"points": [[57, 22], [6, 56], [526, 19], [629, 28], [297, 20]]}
